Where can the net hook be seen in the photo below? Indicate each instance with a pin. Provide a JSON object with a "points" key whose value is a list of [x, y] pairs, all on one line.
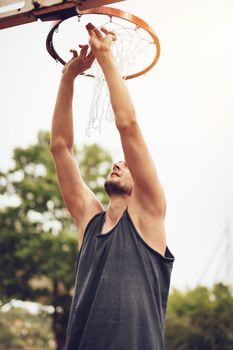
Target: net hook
{"points": [[79, 15]]}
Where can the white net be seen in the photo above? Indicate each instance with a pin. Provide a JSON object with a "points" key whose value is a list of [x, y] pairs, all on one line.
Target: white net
{"points": [[127, 51]]}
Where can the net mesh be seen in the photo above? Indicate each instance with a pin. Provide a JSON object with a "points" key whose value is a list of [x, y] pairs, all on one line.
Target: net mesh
{"points": [[127, 50]]}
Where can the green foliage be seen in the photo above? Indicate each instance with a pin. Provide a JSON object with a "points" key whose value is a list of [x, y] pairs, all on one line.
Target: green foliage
{"points": [[21, 330], [200, 319], [29, 264], [38, 239]]}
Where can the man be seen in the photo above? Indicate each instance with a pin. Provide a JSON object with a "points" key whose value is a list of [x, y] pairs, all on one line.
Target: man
{"points": [[124, 266]]}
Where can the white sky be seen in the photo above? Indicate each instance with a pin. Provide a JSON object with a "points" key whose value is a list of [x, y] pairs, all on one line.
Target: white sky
{"points": [[185, 108]]}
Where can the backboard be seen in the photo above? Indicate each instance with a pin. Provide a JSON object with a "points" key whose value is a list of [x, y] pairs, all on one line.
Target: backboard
{"points": [[16, 12]]}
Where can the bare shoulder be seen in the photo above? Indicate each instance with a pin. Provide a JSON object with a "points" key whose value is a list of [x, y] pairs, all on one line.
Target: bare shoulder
{"points": [[149, 224]]}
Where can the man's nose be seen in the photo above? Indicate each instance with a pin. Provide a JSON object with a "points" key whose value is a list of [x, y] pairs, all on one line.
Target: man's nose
{"points": [[116, 166]]}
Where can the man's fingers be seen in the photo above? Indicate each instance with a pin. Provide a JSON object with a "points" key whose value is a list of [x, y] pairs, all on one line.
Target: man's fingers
{"points": [[83, 51], [90, 26], [74, 52], [107, 32], [92, 29], [96, 33]]}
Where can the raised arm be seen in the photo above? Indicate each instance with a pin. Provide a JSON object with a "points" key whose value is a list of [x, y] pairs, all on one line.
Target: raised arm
{"points": [[79, 199], [147, 204]]}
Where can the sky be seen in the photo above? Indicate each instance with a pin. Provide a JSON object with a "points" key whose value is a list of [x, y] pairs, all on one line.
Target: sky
{"points": [[184, 106]]}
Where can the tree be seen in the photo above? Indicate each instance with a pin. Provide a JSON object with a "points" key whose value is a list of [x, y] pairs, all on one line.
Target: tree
{"points": [[22, 330], [200, 319], [38, 240]]}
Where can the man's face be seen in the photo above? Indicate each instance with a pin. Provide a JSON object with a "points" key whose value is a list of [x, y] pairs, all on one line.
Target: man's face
{"points": [[119, 181]]}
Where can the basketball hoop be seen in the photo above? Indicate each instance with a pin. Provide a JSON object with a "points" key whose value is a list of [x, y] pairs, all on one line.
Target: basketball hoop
{"points": [[136, 51]]}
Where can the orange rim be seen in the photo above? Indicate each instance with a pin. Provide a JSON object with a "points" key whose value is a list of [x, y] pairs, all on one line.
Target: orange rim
{"points": [[111, 12]]}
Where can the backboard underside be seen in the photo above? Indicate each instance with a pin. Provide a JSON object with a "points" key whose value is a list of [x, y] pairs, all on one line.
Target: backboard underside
{"points": [[17, 12]]}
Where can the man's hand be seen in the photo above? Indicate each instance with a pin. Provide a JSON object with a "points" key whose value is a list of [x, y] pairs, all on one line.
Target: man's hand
{"points": [[79, 63], [100, 43]]}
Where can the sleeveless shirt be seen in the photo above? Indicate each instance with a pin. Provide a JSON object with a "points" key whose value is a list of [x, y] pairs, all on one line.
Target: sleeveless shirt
{"points": [[121, 290]]}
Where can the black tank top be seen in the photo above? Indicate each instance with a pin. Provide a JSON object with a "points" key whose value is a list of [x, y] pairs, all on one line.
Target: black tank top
{"points": [[121, 290]]}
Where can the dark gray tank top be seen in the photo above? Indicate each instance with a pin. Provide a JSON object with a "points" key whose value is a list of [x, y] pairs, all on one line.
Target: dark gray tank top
{"points": [[121, 290]]}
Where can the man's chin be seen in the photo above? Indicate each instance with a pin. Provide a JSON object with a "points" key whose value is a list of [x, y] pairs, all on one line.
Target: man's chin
{"points": [[113, 187]]}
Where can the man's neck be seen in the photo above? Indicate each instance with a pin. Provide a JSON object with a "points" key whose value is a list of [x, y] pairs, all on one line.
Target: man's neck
{"points": [[116, 207]]}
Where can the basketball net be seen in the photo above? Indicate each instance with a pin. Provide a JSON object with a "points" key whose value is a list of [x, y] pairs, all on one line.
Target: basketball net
{"points": [[127, 50], [134, 38]]}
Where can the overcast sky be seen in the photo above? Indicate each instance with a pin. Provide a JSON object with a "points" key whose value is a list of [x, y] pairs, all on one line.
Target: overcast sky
{"points": [[185, 108]]}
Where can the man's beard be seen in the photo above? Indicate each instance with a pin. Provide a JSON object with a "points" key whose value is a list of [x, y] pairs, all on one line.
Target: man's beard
{"points": [[112, 187]]}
